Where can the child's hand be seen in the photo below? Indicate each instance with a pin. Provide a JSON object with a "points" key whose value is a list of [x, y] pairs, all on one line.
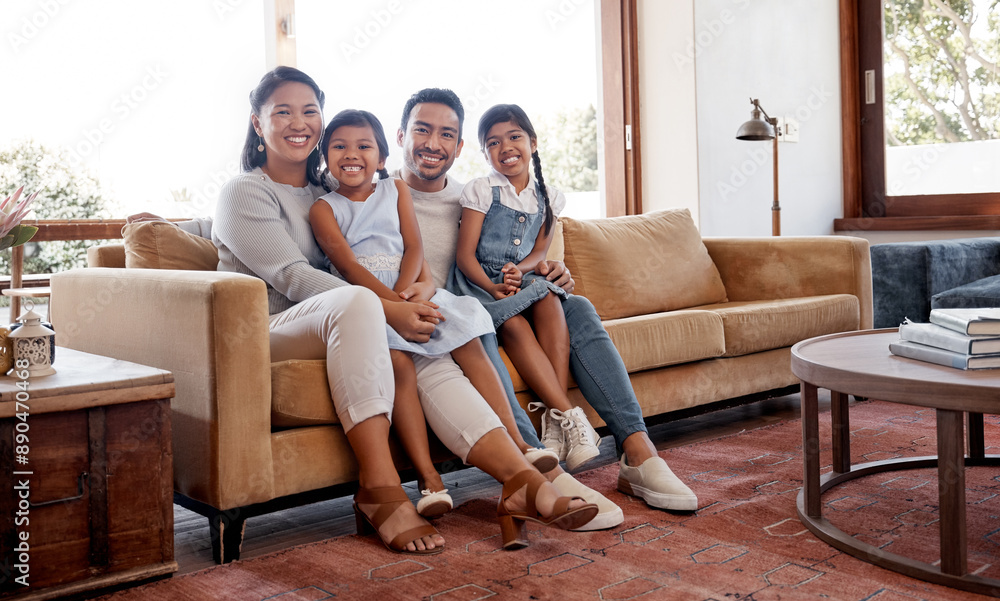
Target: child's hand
{"points": [[511, 276], [502, 290], [418, 291]]}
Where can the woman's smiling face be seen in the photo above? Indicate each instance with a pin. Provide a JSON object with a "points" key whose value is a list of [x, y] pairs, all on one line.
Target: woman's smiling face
{"points": [[291, 124]]}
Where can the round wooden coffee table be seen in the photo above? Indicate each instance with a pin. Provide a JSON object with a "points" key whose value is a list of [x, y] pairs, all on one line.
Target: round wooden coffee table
{"points": [[860, 364]]}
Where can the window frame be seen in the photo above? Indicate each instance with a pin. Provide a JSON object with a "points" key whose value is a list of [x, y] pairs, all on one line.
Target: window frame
{"points": [[867, 205]]}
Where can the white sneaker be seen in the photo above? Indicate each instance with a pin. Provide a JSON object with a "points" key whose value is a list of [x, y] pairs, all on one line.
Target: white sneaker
{"points": [[609, 515], [581, 438], [654, 483], [552, 433]]}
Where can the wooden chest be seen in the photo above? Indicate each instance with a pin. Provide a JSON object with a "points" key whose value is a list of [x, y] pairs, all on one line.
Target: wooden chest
{"points": [[86, 491]]}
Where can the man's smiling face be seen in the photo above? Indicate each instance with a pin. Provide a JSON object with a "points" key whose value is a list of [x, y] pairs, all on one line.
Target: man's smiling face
{"points": [[431, 142]]}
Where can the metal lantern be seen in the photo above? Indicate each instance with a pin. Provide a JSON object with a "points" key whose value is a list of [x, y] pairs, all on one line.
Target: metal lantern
{"points": [[34, 343]]}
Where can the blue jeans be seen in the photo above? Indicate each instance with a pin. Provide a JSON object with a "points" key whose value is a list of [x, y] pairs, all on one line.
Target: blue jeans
{"points": [[597, 368]]}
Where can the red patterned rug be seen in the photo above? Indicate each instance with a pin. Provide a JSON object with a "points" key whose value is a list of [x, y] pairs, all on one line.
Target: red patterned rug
{"points": [[744, 543]]}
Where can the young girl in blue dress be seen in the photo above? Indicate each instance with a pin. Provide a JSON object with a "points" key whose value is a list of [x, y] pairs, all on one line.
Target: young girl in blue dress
{"points": [[369, 233], [507, 226]]}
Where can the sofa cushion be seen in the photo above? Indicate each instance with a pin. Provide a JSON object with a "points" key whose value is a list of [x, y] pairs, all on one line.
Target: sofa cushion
{"points": [[755, 326], [162, 245], [659, 339], [300, 394], [974, 295], [640, 264]]}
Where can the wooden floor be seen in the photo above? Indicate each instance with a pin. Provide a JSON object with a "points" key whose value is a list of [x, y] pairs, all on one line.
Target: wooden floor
{"points": [[319, 521]]}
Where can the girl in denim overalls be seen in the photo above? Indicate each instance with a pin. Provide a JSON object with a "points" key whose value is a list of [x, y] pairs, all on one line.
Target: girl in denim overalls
{"points": [[507, 227]]}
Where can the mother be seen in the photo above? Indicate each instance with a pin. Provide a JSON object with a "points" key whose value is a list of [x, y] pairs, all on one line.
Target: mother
{"points": [[261, 229]]}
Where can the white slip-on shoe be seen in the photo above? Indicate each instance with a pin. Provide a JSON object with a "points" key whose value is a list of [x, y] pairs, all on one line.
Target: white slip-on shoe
{"points": [[552, 432], [654, 483], [434, 504], [544, 460], [609, 515], [581, 438]]}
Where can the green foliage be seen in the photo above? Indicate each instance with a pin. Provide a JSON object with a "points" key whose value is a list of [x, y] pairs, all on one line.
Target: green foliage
{"points": [[567, 145], [67, 192], [942, 77]]}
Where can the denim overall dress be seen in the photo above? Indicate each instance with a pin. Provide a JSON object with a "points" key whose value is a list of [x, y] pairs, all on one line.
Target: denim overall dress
{"points": [[508, 236]]}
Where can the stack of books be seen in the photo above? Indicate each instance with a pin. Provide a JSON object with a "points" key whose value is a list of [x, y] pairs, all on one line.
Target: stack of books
{"points": [[959, 338]]}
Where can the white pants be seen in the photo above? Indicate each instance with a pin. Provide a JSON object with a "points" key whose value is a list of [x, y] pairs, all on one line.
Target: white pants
{"points": [[346, 326]]}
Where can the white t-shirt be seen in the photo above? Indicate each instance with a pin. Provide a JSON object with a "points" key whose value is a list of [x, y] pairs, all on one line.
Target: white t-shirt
{"points": [[478, 195]]}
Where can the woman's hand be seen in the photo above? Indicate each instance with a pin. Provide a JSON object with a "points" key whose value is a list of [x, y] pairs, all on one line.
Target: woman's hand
{"points": [[418, 291], [413, 321], [557, 273]]}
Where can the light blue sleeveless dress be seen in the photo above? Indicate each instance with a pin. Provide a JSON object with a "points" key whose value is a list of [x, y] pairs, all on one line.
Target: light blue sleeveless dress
{"points": [[508, 236], [372, 230]]}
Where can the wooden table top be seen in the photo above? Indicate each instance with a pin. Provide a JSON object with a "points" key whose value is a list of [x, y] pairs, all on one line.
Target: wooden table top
{"points": [[83, 380], [860, 363]]}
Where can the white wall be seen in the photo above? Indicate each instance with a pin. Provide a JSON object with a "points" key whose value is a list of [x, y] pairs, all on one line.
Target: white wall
{"points": [[667, 105], [784, 53]]}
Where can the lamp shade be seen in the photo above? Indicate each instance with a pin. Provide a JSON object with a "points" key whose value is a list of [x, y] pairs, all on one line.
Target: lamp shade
{"points": [[755, 129]]}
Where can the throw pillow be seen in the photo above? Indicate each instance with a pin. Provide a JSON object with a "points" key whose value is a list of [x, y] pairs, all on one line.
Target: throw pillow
{"points": [[162, 245], [641, 264]]}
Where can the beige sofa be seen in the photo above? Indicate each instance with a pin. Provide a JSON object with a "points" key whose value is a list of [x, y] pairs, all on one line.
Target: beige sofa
{"points": [[696, 322]]}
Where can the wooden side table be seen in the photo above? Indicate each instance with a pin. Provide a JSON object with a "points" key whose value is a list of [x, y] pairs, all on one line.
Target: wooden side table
{"points": [[86, 493]]}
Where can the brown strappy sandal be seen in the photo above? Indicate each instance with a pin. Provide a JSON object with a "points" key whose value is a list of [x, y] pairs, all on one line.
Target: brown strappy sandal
{"points": [[512, 527], [389, 499]]}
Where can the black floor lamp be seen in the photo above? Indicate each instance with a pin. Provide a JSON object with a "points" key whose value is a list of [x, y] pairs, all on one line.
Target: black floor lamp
{"points": [[764, 129]]}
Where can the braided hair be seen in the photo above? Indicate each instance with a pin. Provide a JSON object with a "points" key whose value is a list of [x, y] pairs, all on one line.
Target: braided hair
{"points": [[357, 118], [502, 113], [251, 158]]}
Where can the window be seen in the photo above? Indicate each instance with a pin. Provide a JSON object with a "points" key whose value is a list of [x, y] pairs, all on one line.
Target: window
{"points": [[921, 105], [151, 97], [373, 55]]}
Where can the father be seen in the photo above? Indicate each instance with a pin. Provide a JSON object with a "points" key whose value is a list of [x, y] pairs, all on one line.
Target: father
{"points": [[431, 137]]}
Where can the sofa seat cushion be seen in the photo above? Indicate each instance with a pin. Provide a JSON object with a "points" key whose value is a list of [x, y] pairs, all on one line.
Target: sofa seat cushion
{"points": [[300, 394], [979, 294], [660, 339], [755, 326], [640, 264]]}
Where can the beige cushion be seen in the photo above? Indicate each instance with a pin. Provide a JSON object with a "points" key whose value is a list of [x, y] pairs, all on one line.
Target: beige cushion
{"points": [[641, 264], [755, 326], [300, 394], [661, 339], [162, 245]]}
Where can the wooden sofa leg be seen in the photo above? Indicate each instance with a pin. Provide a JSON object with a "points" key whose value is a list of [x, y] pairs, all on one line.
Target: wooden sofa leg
{"points": [[227, 535]]}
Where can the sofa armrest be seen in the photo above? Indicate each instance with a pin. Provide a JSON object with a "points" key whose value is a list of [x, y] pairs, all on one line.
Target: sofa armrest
{"points": [[905, 275], [793, 267], [210, 329]]}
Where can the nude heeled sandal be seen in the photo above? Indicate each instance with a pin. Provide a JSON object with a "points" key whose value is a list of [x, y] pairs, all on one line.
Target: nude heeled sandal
{"points": [[512, 529], [389, 499]]}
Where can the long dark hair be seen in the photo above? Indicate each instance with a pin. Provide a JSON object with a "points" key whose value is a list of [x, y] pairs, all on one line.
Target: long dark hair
{"points": [[502, 113], [251, 158], [357, 118]]}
